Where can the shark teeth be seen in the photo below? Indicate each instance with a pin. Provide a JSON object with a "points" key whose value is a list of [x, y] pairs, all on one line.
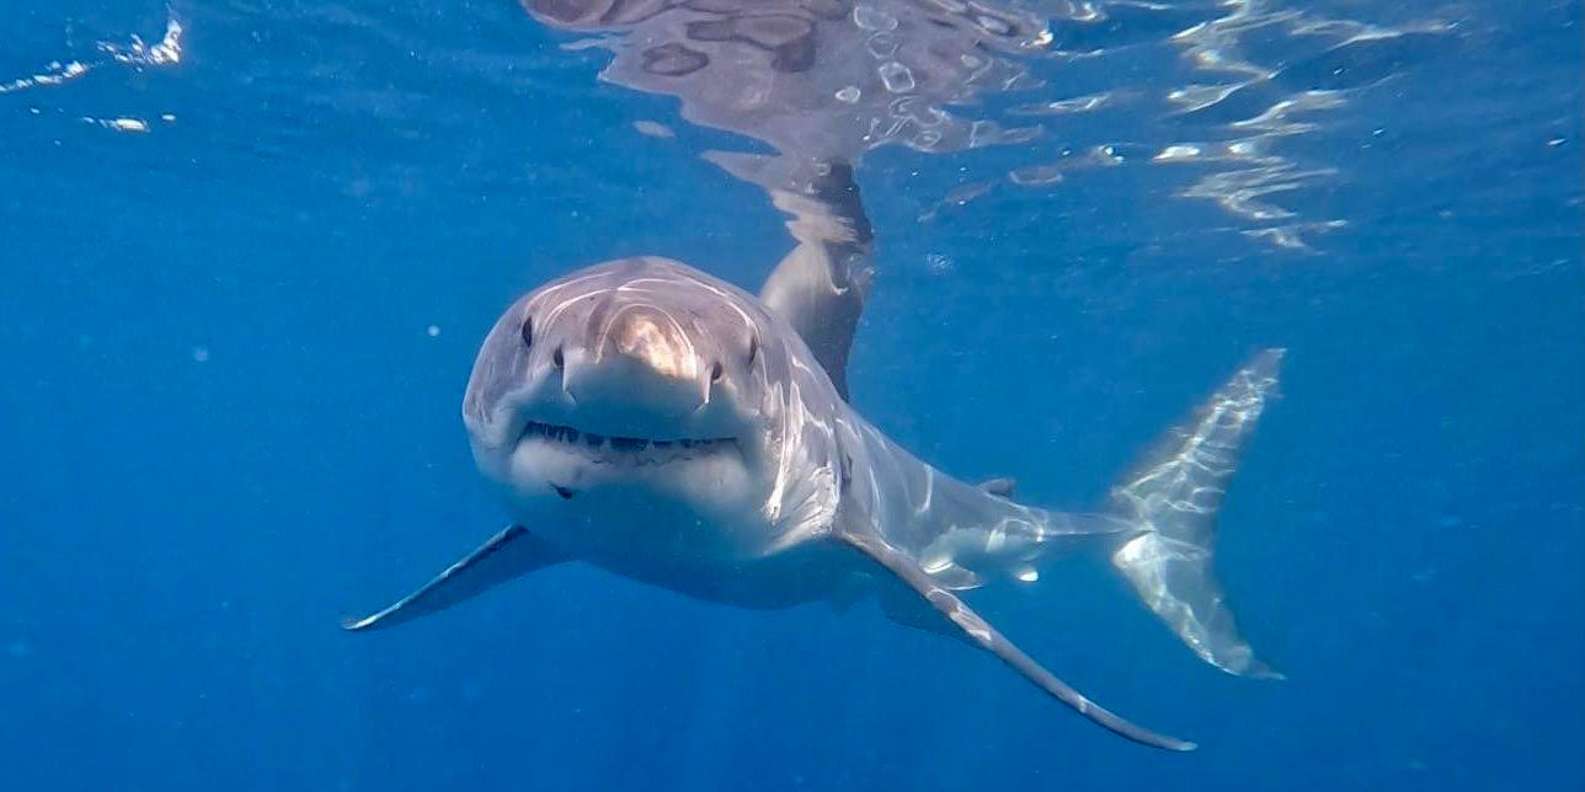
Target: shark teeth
{"points": [[638, 450]]}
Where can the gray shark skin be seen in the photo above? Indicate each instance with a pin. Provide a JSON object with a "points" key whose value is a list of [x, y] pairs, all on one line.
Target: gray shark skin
{"points": [[667, 426]]}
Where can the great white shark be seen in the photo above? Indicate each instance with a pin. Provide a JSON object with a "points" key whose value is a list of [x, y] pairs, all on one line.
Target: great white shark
{"points": [[657, 422]]}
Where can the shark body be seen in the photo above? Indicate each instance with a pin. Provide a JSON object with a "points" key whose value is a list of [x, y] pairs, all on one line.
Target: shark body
{"points": [[667, 426]]}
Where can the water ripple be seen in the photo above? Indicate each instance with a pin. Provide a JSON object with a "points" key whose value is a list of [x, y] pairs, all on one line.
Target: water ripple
{"points": [[1210, 87]]}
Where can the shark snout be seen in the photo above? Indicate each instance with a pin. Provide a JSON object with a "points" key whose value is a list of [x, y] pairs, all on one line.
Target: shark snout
{"points": [[651, 337], [628, 384], [639, 361]]}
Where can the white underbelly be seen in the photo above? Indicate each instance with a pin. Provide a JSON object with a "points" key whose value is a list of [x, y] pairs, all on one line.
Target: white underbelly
{"points": [[733, 560]]}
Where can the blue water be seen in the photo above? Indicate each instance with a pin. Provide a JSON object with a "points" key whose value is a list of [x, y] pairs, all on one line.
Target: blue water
{"points": [[235, 343]]}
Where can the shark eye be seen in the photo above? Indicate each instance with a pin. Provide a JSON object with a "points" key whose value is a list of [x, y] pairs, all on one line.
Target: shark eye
{"points": [[715, 372], [528, 332], [753, 349], [558, 359]]}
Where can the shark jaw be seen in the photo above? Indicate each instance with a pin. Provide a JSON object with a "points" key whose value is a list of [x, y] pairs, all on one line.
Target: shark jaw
{"points": [[576, 460], [689, 489], [624, 452]]}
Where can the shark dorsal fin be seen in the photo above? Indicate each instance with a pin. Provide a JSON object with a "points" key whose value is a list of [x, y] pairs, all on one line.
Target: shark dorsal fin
{"points": [[819, 287], [818, 297]]}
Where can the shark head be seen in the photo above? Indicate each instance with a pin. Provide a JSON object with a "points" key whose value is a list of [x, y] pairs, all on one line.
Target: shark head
{"points": [[645, 390]]}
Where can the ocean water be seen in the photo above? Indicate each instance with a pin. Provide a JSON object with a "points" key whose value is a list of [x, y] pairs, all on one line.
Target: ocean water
{"points": [[250, 248]]}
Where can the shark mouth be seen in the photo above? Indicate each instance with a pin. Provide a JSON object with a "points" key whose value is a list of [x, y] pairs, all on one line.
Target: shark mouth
{"points": [[625, 451]]}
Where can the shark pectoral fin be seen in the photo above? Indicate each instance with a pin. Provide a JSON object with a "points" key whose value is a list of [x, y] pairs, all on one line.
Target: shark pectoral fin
{"points": [[983, 635], [506, 555]]}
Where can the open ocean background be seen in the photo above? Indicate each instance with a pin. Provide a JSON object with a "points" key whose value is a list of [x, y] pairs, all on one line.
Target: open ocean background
{"points": [[243, 278]]}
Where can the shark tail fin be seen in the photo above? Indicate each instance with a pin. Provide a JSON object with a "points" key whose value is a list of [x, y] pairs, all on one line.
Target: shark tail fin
{"points": [[1173, 499]]}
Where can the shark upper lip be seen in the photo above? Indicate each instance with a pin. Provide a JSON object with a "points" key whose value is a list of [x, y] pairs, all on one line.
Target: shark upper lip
{"points": [[608, 443]]}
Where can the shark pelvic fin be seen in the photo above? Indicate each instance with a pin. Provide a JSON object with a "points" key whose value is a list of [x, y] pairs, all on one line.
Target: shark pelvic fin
{"points": [[979, 632], [508, 554], [1000, 487]]}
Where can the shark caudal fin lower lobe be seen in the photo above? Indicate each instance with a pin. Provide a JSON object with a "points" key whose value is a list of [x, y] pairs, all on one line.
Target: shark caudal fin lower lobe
{"points": [[1173, 498]]}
